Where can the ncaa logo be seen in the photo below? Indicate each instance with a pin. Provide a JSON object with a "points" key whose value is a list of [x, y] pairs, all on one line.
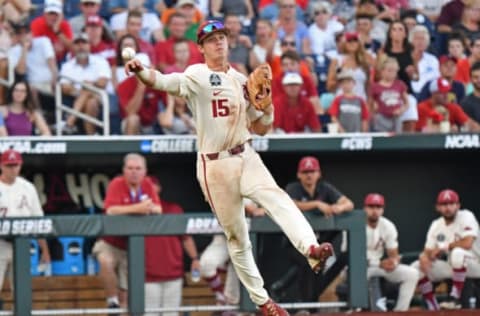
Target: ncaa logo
{"points": [[146, 146]]}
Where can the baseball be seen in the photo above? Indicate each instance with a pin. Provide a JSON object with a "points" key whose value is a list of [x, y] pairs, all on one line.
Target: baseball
{"points": [[128, 53]]}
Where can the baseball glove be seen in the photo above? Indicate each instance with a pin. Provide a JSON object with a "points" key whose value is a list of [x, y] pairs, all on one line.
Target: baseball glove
{"points": [[259, 87]]}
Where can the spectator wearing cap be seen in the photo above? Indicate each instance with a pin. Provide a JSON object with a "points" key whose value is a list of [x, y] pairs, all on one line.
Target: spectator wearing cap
{"points": [[18, 198], [53, 25], [471, 103], [450, 251], [147, 24], [33, 59], [348, 110], [294, 113], [323, 29], [463, 65], [84, 68], [164, 52], [290, 62], [89, 8], [448, 69], [287, 23], [312, 193], [99, 45], [429, 110], [383, 258]]}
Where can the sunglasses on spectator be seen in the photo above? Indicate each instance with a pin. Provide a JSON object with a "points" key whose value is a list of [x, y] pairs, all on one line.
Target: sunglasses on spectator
{"points": [[288, 43], [88, 4], [287, 6], [320, 12]]}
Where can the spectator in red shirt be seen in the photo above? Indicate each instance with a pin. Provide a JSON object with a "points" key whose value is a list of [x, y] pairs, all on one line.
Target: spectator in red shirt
{"points": [[429, 110], [130, 193], [134, 26], [139, 106], [52, 25], [98, 45], [164, 52], [294, 113], [164, 262]]}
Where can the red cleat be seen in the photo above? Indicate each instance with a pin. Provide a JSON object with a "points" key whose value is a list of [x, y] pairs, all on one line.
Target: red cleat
{"points": [[321, 253], [270, 308]]}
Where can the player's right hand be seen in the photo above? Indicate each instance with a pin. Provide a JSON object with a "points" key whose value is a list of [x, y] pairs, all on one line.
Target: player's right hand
{"points": [[134, 65]]}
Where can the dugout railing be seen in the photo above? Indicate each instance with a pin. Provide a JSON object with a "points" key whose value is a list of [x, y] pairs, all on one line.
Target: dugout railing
{"points": [[20, 230]]}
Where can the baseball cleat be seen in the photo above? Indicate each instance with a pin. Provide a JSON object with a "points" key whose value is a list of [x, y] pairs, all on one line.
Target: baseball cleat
{"points": [[321, 253], [270, 308]]}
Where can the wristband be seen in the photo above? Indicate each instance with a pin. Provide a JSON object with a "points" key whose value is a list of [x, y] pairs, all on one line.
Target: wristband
{"points": [[267, 119]]}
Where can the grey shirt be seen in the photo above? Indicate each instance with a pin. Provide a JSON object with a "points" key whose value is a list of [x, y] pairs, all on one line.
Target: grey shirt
{"points": [[471, 105]]}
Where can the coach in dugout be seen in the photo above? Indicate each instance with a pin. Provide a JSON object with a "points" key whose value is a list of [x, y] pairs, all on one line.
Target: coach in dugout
{"points": [[18, 198]]}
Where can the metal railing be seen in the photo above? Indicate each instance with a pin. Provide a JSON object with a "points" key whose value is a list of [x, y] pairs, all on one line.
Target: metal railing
{"points": [[60, 107], [10, 76]]}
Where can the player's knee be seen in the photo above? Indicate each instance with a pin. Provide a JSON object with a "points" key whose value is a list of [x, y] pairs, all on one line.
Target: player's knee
{"points": [[411, 274], [457, 258], [106, 261], [208, 267], [416, 266]]}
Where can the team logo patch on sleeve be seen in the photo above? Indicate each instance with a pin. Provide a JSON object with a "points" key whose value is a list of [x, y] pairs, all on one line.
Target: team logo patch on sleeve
{"points": [[215, 80]]}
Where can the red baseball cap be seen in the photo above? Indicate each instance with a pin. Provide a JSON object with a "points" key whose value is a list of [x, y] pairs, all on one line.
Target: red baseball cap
{"points": [[374, 199], [94, 20], [351, 36], [447, 196], [444, 58], [440, 85], [209, 27], [11, 157], [308, 163]]}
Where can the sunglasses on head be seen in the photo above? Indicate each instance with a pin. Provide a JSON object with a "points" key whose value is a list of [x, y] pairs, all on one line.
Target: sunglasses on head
{"points": [[320, 12], [288, 43], [210, 27]]}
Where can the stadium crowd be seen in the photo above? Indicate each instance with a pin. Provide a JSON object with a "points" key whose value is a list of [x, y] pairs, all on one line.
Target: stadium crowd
{"points": [[338, 65]]}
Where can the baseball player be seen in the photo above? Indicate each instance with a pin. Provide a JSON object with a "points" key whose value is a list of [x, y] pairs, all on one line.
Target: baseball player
{"points": [[228, 168], [18, 198], [450, 251], [382, 235]]}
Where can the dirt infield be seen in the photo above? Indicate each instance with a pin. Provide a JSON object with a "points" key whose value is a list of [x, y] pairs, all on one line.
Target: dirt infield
{"points": [[412, 313]]}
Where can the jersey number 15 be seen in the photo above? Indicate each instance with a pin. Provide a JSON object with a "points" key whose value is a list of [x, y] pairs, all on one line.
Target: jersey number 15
{"points": [[220, 108]]}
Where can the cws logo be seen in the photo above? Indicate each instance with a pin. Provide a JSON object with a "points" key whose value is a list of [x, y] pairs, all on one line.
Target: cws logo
{"points": [[205, 225], [35, 147], [260, 144], [462, 141], [357, 143], [26, 226], [172, 145]]}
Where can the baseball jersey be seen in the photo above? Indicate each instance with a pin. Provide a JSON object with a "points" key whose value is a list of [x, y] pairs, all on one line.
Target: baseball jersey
{"points": [[19, 199], [465, 224], [217, 102], [350, 111], [384, 236]]}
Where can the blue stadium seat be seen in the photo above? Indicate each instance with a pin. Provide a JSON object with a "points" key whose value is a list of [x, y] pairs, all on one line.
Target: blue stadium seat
{"points": [[34, 257], [71, 259]]}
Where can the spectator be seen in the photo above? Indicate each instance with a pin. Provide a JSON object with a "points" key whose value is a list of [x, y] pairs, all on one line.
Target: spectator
{"points": [[130, 193], [380, 22], [147, 25], [164, 263], [16, 10], [468, 25], [89, 8], [88, 69], [448, 69], [311, 193], [427, 64], [348, 110], [21, 116], [382, 236], [398, 47], [164, 52], [448, 250], [429, 110], [294, 113], [134, 25], [240, 46], [364, 26], [188, 9], [430, 9], [243, 9], [118, 6], [52, 25], [266, 44], [471, 104], [270, 9], [34, 60], [457, 46], [99, 45], [288, 24], [355, 58], [463, 65], [322, 31], [291, 62], [287, 44], [342, 10], [5, 44], [19, 198], [175, 117], [389, 98]]}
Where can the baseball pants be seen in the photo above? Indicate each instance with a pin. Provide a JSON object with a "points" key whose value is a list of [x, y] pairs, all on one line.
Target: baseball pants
{"points": [[406, 275], [6, 258], [225, 181], [163, 294], [458, 258]]}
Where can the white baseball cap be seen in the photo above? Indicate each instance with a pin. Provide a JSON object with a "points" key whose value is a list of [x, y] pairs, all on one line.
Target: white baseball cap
{"points": [[292, 78], [53, 6]]}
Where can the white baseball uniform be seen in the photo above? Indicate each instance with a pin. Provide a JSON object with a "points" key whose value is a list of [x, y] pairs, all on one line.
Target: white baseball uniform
{"points": [[385, 236], [20, 199], [222, 117], [440, 235]]}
